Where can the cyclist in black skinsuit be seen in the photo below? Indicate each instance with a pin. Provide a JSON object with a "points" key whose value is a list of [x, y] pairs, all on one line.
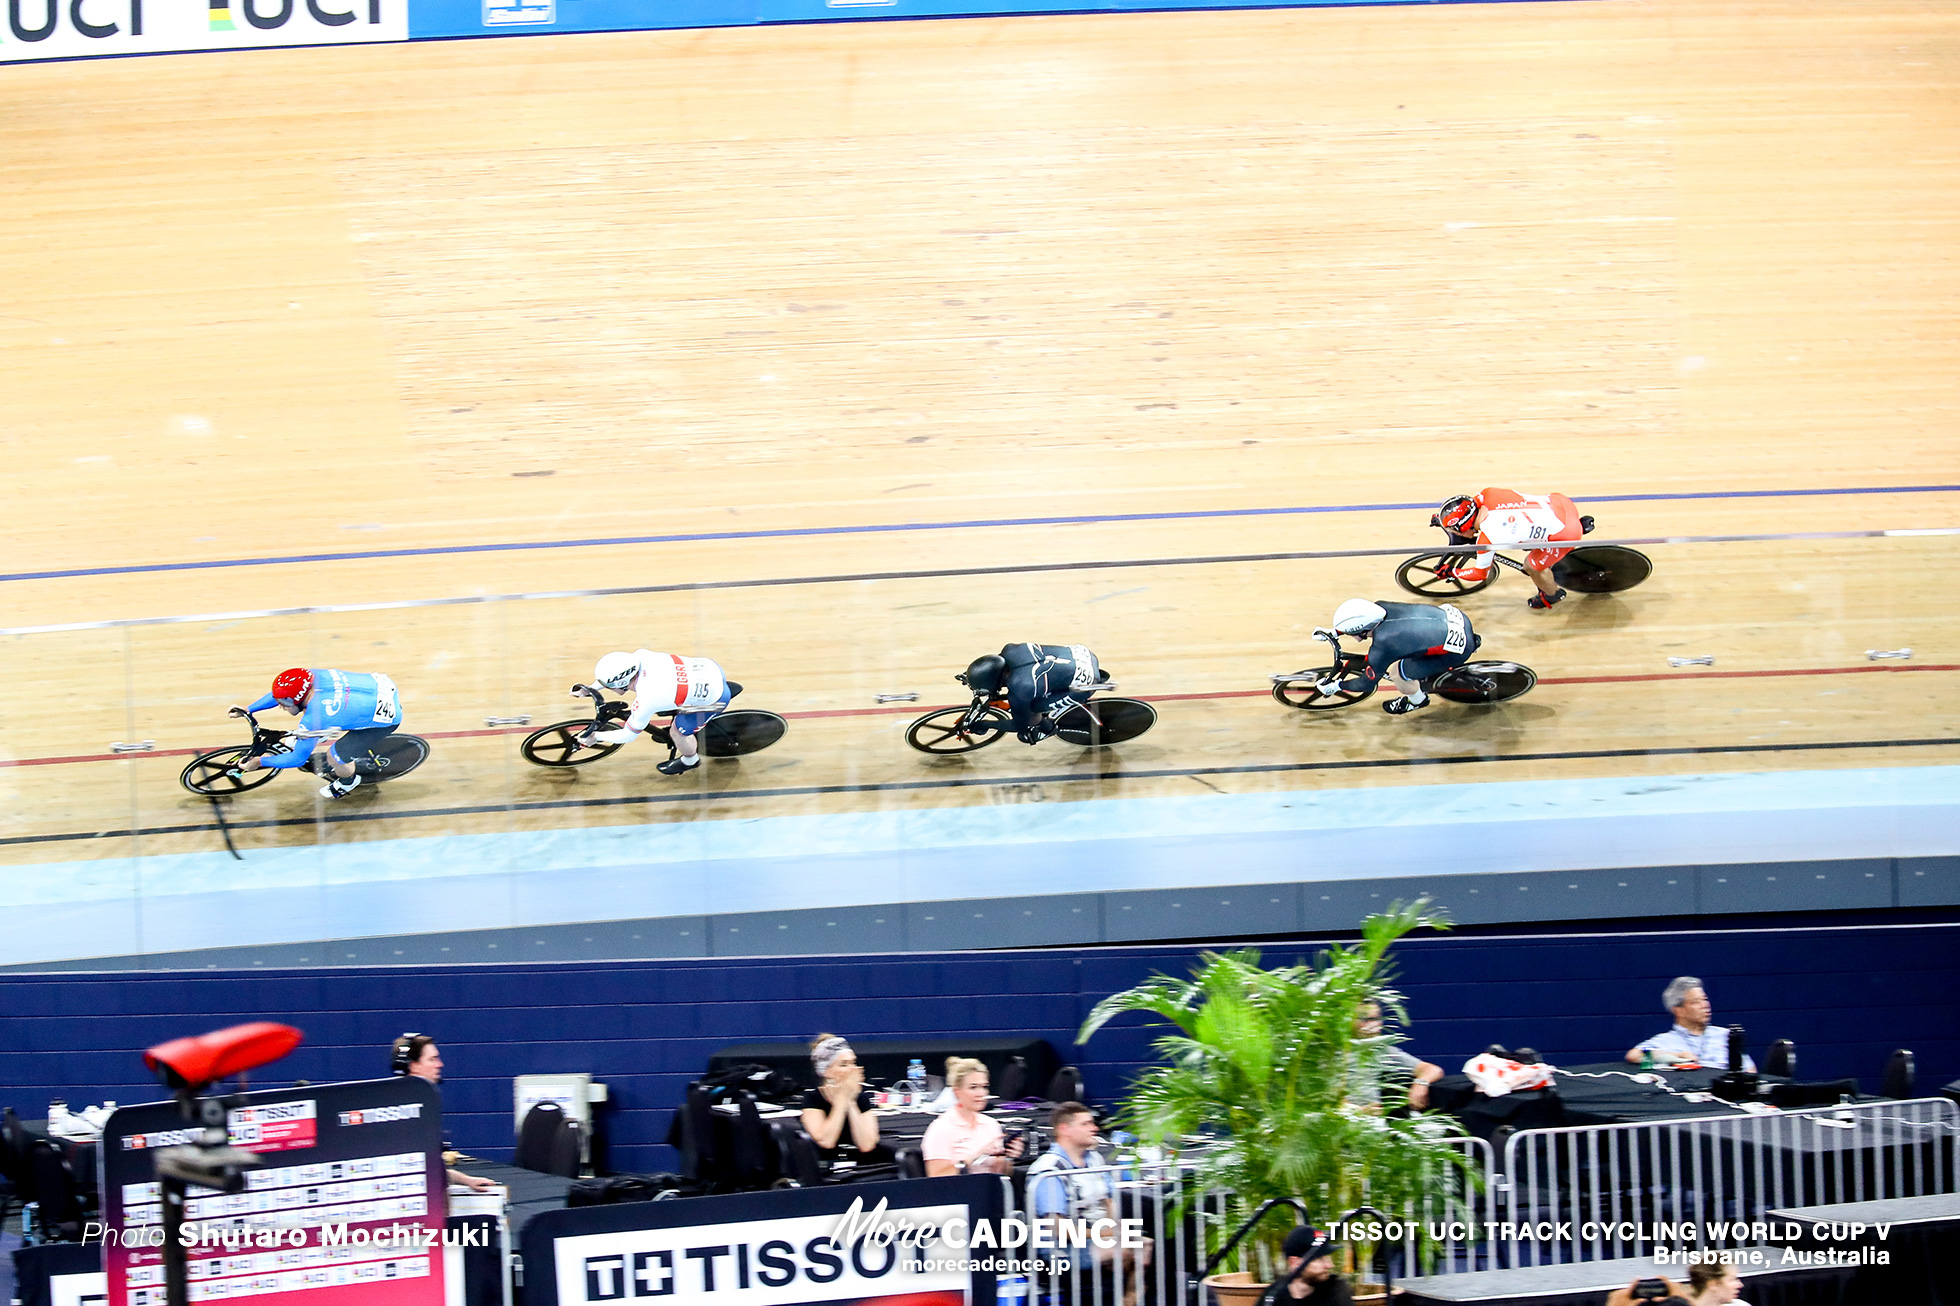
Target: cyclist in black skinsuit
{"points": [[1043, 683], [1413, 644]]}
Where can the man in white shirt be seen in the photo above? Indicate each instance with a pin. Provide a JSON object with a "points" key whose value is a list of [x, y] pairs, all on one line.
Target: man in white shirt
{"points": [[1692, 1039]]}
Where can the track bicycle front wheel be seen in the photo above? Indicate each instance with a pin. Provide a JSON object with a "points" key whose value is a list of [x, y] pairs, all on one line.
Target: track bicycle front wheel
{"points": [[1418, 576], [1298, 691], [558, 745], [206, 773], [940, 732]]}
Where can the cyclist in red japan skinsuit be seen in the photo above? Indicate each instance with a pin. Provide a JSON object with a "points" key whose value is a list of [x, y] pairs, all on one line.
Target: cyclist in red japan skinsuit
{"points": [[1506, 519]]}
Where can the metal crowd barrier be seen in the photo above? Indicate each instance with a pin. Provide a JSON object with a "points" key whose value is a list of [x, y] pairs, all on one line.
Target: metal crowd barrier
{"points": [[1603, 1192], [1183, 1223], [1582, 1193]]}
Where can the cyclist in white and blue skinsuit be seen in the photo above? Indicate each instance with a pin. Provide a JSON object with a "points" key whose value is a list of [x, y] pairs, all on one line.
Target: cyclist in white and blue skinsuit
{"points": [[693, 690], [367, 707]]}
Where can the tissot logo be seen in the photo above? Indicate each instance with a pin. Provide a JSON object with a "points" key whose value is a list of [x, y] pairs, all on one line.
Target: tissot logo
{"points": [[755, 1263], [67, 29], [771, 1264], [381, 1115]]}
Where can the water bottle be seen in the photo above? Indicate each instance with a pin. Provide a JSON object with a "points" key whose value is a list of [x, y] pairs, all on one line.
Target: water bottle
{"points": [[1011, 1290], [1646, 1058], [1123, 1152], [915, 1075]]}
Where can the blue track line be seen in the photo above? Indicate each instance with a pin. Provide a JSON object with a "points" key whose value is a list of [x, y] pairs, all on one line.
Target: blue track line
{"points": [[980, 523]]}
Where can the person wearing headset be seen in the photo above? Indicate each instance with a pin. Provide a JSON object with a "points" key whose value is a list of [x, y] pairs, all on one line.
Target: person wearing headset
{"points": [[692, 689], [1413, 644], [417, 1055], [1497, 518], [364, 708], [1042, 682]]}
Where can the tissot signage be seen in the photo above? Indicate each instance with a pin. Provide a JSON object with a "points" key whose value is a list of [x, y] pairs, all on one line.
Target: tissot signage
{"points": [[857, 1243]]}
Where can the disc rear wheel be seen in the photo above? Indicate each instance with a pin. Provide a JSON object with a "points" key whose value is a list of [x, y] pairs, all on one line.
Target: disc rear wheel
{"points": [[392, 758], [732, 734], [1484, 682], [1106, 721], [1602, 569]]}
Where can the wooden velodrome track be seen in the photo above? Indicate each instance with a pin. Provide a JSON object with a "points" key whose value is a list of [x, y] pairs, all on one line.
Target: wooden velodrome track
{"points": [[380, 302]]}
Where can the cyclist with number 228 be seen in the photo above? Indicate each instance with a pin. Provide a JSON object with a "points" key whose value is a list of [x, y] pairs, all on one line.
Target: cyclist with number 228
{"points": [[1505, 519], [366, 708], [1413, 644]]}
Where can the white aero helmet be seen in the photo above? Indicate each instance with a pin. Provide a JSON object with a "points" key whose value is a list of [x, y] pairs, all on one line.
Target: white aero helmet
{"points": [[616, 670], [1358, 616]]}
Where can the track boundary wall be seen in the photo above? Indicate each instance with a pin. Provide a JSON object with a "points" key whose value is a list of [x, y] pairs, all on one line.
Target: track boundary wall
{"points": [[45, 30]]}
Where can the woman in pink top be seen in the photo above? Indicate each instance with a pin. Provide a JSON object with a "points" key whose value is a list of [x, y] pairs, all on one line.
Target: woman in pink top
{"points": [[963, 1138]]}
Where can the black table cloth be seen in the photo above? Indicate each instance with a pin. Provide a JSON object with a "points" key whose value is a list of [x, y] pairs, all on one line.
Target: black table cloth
{"points": [[1578, 1098], [884, 1060], [530, 1191]]}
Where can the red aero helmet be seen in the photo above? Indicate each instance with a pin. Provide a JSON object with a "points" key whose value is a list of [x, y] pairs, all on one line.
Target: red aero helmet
{"points": [[295, 683], [1457, 515]]}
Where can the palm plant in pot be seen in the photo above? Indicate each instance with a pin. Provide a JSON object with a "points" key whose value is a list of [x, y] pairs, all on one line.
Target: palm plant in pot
{"points": [[1266, 1064]]}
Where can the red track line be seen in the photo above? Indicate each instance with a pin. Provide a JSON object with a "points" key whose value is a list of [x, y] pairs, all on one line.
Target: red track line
{"points": [[914, 708], [1734, 675]]}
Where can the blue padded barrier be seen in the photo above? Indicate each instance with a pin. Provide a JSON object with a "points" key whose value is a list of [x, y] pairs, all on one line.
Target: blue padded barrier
{"points": [[1847, 995]]}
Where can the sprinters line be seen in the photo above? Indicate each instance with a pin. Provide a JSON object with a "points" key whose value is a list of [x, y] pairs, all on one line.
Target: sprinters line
{"points": [[937, 573], [885, 528]]}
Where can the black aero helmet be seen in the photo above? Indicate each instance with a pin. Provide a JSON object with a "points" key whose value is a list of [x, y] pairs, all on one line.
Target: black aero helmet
{"points": [[985, 675]]}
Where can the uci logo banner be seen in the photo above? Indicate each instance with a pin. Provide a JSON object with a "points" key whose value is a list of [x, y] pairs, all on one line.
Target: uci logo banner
{"points": [[76, 29]]}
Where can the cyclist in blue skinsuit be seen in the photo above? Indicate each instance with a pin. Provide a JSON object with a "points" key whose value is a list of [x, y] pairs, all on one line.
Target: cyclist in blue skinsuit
{"points": [[1413, 644], [367, 707], [1043, 683]]}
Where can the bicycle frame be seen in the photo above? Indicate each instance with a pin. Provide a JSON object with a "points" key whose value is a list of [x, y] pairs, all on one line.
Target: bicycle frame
{"points": [[1000, 704], [1345, 661], [266, 740], [606, 712], [980, 703], [612, 711]]}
